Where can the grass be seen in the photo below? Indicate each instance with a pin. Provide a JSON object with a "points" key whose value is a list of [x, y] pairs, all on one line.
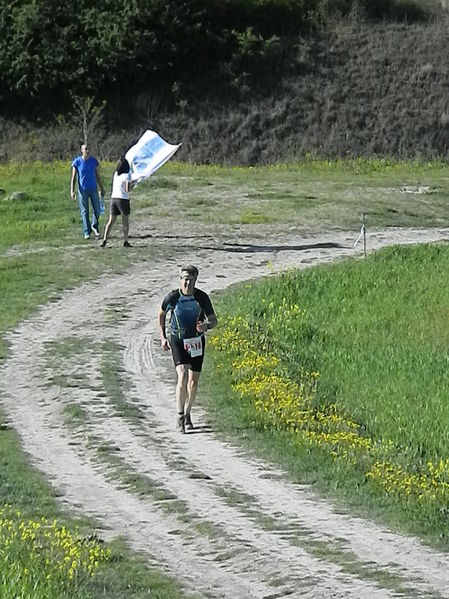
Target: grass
{"points": [[329, 550], [315, 194], [114, 382], [74, 415], [131, 578], [42, 253], [44, 559], [115, 573], [344, 381], [140, 484]]}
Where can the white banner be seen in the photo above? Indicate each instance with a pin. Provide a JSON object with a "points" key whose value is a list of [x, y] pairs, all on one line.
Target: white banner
{"points": [[148, 154]]}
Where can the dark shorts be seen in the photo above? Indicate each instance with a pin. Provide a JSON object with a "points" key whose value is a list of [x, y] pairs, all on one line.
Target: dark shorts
{"points": [[119, 206], [181, 356]]}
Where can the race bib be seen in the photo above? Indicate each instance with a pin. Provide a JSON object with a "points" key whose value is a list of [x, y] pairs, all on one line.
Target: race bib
{"points": [[194, 346]]}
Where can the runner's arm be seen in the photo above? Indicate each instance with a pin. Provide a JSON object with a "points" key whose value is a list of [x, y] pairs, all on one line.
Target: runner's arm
{"points": [[161, 323], [209, 323], [210, 320]]}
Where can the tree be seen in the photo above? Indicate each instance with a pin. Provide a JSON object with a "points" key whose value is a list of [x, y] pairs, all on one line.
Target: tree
{"points": [[89, 114]]}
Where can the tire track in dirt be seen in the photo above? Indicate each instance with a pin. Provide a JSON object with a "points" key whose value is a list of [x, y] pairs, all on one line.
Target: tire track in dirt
{"points": [[228, 525]]}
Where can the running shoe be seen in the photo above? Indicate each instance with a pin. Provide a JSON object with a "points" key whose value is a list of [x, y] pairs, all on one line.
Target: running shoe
{"points": [[188, 422], [126, 244], [95, 230], [180, 424]]}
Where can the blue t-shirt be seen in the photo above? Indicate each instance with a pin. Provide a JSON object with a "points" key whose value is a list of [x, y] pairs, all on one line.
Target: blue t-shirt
{"points": [[87, 180], [187, 310]]}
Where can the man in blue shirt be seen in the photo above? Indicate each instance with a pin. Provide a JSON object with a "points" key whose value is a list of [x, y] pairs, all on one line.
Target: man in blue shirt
{"points": [[85, 169], [192, 315]]}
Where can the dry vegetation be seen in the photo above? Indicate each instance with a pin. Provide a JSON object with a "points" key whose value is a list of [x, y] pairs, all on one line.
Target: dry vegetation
{"points": [[359, 88]]}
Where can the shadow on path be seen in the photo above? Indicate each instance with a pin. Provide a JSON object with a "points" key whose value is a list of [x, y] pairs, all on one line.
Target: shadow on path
{"points": [[200, 429], [245, 248]]}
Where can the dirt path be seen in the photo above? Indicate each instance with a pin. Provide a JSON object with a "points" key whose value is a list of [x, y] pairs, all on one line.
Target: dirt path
{"points": [[225, 525]]}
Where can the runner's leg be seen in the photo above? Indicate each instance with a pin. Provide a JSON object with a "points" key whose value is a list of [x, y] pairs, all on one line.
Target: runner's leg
{"points": [[181, 387], [192, 387]]}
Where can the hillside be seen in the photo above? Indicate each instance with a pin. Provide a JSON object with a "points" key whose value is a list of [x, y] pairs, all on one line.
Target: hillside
{"points": [[357, 89], [366, 90]]}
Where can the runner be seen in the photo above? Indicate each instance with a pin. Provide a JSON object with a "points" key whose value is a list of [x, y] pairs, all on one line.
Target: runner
{"points": [[192, 315]]}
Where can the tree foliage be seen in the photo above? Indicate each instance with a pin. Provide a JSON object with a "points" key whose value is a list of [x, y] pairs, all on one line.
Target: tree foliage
{"points": [[51, 51]]}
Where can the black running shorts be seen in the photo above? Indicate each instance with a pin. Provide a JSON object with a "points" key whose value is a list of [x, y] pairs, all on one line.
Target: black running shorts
{"points": [[120, 206], [181, 356]]}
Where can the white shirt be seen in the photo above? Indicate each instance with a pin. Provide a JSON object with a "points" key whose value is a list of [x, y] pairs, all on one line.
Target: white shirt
{"points": [[119, 186]]}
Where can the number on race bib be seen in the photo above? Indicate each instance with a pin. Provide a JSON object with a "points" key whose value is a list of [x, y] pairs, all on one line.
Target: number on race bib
{"points": [[194, 346]]}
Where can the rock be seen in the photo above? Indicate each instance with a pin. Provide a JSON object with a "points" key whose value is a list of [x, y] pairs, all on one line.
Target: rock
{"points": [[18, 195], [417, 189]]}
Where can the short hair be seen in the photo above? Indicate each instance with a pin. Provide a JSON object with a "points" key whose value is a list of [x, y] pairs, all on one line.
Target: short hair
{"points": [[189, 269], [122, 166]]}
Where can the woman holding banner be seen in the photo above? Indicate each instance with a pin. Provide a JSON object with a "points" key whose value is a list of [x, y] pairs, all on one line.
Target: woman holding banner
{"points": [[120, 203]]}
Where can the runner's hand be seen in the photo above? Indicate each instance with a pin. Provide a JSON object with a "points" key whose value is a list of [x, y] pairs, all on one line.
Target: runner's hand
{"points": [[164, 343], [202, 327]]}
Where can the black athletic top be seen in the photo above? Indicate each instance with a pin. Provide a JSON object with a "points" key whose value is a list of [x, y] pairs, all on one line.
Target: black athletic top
{"points": [[187, 310]]}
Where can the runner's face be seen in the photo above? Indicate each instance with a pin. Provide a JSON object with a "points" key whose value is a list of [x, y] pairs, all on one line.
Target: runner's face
{"points": [[188, 284]]}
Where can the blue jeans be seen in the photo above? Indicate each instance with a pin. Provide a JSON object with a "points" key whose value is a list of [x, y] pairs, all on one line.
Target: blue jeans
{"points": [[83, 201]]}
